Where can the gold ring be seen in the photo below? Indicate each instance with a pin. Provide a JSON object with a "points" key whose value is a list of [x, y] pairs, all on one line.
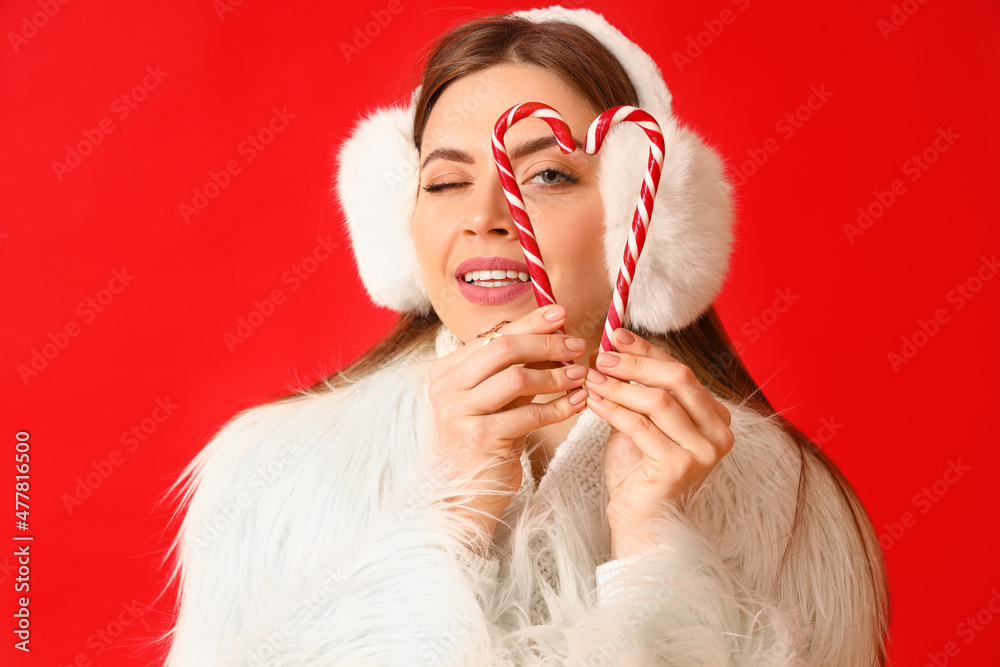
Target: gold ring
{"points": [[489, 337], [492, 333]]}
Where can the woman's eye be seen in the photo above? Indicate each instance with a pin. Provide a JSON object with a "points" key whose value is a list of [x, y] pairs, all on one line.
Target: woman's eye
{"points": [[553, 177], [440, 187]]}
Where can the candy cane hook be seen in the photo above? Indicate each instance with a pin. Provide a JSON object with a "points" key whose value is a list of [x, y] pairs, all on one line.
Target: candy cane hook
{"points": [[511, 190], [643, 209]]}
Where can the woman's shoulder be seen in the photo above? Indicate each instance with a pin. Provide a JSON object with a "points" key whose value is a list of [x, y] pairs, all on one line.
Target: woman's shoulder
{"points": [[339, 428], [763, 447], [770, 481], [772, 463], [326, 404], [307, 468], [783, 513]]}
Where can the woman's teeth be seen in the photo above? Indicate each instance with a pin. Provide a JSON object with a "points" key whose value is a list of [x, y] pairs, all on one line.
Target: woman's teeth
{"points": [[497, 278]]}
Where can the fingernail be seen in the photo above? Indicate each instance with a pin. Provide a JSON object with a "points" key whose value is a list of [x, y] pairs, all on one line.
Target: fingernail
{"points": [[607, 359], [575, 372], [595, 376], [624, 337], [576, 344], [593, 395], [555, 313], [578, 397]]}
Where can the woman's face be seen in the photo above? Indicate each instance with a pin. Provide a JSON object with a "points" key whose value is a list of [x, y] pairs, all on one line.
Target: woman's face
{"points": [[462, 223]]}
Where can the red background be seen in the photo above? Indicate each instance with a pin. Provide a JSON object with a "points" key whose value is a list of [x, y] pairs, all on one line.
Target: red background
{"points": [[825, 360]]}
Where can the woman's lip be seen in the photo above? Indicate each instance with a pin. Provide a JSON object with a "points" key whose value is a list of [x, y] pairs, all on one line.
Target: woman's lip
{"points": [[490, 264], [492, 295]]}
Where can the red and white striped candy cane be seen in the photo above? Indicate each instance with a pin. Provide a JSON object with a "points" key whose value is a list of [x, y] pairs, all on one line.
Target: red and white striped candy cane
{"points": [[643, 209], [564, 137]]}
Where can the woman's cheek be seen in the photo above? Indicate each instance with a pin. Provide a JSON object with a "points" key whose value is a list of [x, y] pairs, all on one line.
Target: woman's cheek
{"points": [[428, 249]]}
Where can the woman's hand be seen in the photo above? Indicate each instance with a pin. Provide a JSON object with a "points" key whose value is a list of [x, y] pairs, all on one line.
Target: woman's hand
{"points": [[668, 433], [483, 409]]}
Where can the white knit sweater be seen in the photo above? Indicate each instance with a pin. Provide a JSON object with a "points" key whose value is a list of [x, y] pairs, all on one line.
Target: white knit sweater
{"points": [[316, 533]]}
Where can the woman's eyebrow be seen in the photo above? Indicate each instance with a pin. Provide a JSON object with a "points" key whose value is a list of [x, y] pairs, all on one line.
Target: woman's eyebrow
{"points": [[535, 145], [519, 151], [452, 154]]}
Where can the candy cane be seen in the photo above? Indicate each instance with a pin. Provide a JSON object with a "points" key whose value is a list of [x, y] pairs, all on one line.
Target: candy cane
{"points": [[526, 235], [643, 209], [595, 138]]}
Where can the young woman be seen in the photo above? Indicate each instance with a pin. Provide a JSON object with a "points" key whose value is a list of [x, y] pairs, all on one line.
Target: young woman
{"points": [[458, 497]]}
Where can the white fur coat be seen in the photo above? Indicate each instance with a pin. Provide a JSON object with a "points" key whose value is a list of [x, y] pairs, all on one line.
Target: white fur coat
{"points": [[316, 533]]}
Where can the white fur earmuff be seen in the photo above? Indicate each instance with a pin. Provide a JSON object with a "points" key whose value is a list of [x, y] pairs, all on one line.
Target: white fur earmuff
{"points": [[686, 256]]}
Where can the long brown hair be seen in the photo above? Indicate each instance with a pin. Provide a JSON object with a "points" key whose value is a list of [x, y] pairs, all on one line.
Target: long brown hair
{"points": [[580, 59]]}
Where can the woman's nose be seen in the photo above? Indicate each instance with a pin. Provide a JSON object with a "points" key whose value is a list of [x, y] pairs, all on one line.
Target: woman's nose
{"points": [[488, 213]]}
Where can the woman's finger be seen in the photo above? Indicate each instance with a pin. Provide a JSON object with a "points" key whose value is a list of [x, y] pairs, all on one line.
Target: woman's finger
{"points": [[628, 341], [519, 385], [511, 349], [541, 320], [647, 364], [665, 412], [517, 421], [665, 456]]}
